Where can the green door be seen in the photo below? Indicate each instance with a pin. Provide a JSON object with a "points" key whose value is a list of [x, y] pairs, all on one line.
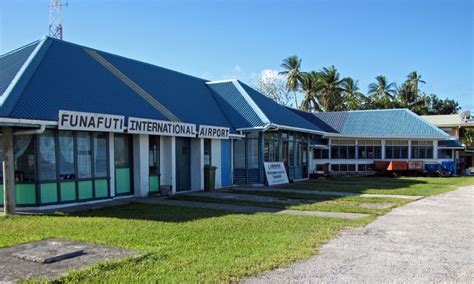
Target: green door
{"points": [[183, 164], [123, 164]]}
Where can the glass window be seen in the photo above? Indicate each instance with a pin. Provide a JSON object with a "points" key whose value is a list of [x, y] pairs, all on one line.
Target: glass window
{"points": [[84, 155], [207, 152], [239, 154], [291, 150], [252, 153], [445, 154], [47, 156], [422, 150], [369, 149], [276, 150], [100, 155], [122, 151], [24, 149], [320, 154], [154, 155], [66, 155], [271, 147], [396, 149]]}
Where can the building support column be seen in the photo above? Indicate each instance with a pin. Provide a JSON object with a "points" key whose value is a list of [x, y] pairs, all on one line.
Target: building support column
{"points": [[216, 160], [141, 168], [197, 164], [261, 156], [111, 164], [8, 172]]}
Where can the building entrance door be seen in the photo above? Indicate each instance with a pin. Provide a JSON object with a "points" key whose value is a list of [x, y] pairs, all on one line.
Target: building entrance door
{"points": [[183, 164], [123, 164]]}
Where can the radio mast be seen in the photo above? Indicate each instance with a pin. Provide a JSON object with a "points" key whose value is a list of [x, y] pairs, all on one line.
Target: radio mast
{"points": [[55, 19]]}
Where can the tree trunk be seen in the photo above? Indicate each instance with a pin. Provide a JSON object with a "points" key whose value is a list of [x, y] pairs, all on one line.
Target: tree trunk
{"points": [[8, 172]]}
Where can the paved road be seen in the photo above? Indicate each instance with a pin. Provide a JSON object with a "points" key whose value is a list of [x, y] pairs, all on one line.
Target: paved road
{"points": [[430, 240]]}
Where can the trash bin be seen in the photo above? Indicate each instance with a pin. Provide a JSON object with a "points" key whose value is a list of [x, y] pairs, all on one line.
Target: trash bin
{"points": [[209, 177]]}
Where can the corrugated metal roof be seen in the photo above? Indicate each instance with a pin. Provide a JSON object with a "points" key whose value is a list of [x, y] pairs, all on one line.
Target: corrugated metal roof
{"points": [[450, 144], [235, 106], [68, 78], [448, 120], [380, 123], [276, 113], [12, 62], [314, 120]]}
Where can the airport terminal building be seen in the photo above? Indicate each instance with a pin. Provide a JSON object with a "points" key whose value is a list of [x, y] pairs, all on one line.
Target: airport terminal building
{"points": [[89, 126]]}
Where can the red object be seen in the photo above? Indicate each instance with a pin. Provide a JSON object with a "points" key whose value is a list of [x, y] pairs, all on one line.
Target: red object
{"points": [[380, 165], [398, 166]]}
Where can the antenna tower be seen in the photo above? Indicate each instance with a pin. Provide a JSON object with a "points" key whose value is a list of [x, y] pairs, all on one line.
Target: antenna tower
{"points": [[55, 19]]}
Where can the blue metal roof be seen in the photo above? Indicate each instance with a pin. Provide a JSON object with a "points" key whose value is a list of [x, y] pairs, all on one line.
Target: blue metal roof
{"points": [[12, 62], [276, 113], [450, 144], [314, 120], [63, 76], [235, 106], [380, 123]]}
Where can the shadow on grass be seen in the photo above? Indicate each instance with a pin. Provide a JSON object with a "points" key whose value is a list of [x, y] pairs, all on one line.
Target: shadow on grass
{"points": [[151, 212], [357, 184]]}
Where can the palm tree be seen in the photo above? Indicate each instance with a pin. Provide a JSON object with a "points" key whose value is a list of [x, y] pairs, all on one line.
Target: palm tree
{"points": [[330, 93], [382, 92], [293, 74], [353, 98], [414, 80], [309, 82]]}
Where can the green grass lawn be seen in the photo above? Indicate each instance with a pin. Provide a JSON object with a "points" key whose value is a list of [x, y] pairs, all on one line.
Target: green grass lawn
{"points": [[181, 244], [199, 245], [423, 186], [341, 204]]}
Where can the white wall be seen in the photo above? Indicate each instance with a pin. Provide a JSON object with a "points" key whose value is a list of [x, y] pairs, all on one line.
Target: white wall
{"points": [[197, 164], [216, 160], [141, 181]]}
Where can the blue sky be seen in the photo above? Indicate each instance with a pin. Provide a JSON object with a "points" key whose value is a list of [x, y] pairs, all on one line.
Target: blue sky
{"points": [[223, 39]]}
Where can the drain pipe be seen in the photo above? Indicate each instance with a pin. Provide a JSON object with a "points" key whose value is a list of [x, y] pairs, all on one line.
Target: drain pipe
{"points": [[28, 132]]}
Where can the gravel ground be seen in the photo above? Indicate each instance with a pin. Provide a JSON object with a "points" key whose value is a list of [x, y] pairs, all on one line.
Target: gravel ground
{"points": [[430, 240]]}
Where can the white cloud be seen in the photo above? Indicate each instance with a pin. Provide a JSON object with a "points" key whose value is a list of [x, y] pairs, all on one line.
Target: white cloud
{"points": [[270, 75]]}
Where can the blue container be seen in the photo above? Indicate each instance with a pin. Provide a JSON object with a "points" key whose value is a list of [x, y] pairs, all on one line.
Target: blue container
{"points": [[448, 166], [431, 168]]}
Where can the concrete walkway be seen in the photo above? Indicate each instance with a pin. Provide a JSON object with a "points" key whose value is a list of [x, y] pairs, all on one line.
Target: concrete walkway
{"points": [[250, 209], [229, 195], [430, 240], [332, 193]]}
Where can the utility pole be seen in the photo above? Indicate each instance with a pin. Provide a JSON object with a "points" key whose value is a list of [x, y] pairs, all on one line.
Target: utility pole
{"points": [[55, 19], [9, 206]]}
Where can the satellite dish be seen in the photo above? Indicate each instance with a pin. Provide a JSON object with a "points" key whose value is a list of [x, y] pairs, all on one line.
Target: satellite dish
{"points": [[465, 115]]}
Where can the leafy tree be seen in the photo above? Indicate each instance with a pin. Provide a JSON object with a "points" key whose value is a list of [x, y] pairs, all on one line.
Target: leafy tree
{"points": [[467, 137], [330, 89], [354, 99], [440, 106], [292, 72], [382, 93], [273, 86]]}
